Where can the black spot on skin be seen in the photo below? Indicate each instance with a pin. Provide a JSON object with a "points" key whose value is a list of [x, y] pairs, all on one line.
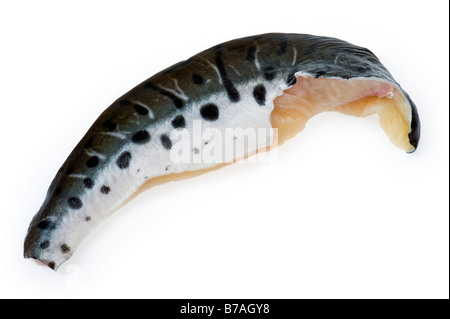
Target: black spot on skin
{"points": [[166, 142], [51, 265], [141, 137], [178, 103], [197, 78], [259, 93], [251, 54], [105, 190], [45, 244], [88, 183], [75, 203], [123, 161], [88, 218], [70, 170], [110, 125], [124, 103], [233, 95], [140, 109], [88, 143], [232, 92], [291, 80], [92, 162], [179, 122], [57, 191], [64, 248], [209, 112], [46, 224], [269, 73]]}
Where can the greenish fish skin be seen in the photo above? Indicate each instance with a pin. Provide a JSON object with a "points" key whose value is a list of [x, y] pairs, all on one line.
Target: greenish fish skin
{"points": [[115, 156]]}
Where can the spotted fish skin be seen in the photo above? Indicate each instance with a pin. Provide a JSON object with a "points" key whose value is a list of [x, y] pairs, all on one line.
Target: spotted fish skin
{"points": [[231, 84]]}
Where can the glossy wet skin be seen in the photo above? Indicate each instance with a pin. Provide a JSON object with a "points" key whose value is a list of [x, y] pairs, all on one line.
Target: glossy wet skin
{"points": [[100, 173]]}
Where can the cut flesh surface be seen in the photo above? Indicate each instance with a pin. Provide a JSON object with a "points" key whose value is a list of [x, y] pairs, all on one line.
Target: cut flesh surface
{"points": [[358, 96], [310, 96]]}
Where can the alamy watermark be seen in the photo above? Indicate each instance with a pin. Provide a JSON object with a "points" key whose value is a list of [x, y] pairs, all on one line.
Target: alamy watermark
{"points": [[213, 145]]}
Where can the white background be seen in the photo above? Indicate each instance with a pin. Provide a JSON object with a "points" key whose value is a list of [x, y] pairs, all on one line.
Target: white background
{"points": [[338, 213]]}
